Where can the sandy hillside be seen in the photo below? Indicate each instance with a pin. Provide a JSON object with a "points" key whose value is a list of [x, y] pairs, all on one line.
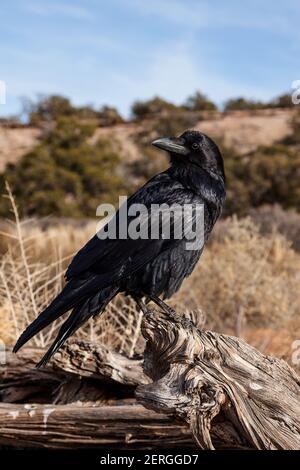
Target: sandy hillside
{"points": [[244, 130], [247, 130], [15, 142]]}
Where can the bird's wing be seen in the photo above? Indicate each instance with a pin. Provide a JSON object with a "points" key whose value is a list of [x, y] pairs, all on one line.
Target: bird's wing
{"points": [[116, 259], [104, 262]]}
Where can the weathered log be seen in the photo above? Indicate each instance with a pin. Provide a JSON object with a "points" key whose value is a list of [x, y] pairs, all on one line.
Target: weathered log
{"points": [[22, 382], [213, 386], [80, 371], [76, 426], [68, 379], [96, 361], [87, 377], [223, 388]]}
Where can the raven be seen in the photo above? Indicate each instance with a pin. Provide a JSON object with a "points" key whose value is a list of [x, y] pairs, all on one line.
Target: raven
{"points": [[144, 268]]}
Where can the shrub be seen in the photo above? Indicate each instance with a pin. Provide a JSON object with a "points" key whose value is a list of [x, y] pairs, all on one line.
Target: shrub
{"points": [[235, 104], [47, 109], [109, 116], [152, 107], [294, 138], [199, 102], [282, 101], [65, 175], [268, 175], [240, 104]]}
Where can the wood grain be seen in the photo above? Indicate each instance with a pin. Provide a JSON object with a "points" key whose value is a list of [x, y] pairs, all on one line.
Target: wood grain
{"points": [[207, 378]]}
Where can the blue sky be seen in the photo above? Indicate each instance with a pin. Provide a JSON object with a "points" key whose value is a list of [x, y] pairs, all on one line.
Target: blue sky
{"points": [[116, 51]]}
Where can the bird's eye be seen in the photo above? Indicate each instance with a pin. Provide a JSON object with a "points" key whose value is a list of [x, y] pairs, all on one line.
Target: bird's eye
{"points": [[195, 146]]}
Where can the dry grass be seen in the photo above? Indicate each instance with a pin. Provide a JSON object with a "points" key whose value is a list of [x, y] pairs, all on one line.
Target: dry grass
{"points": [[246, 279], [31, 275], [247, 284], [275, 219]]}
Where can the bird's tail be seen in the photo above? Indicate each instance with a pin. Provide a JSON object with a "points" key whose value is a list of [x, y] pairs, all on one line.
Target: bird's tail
{"points": [[79, 315], [83, 297]]}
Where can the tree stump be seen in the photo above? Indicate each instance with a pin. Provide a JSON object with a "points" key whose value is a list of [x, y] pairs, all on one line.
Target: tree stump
{"points": [[228, 392]]}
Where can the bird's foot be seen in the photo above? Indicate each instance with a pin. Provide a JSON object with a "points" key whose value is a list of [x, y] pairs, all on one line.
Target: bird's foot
{"points": [[163, 305], [159, 302]]}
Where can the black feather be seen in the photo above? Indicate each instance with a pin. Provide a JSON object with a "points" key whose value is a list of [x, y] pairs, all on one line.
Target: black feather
{"points": [[80, 314], [141, 267]]}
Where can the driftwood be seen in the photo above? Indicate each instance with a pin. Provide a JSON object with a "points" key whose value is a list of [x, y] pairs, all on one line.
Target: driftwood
{"points": [[214, 387], [81, 371], [95, 361], [83, 398], [76, 426], [219, 385]]}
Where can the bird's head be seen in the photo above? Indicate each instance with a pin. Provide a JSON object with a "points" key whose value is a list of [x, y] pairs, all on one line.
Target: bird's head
{"points": [[193, 147]]}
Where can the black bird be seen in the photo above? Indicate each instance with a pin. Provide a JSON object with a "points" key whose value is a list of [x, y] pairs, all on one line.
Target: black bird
{"points": [[142, 268]]}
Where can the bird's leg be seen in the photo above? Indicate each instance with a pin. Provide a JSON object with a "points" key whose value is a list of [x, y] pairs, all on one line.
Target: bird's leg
{"points": [[165, 307], [142, 306]]}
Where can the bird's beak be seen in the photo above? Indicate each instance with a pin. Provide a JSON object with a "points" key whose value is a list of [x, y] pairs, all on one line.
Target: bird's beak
{"points": [[171, 144]]}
